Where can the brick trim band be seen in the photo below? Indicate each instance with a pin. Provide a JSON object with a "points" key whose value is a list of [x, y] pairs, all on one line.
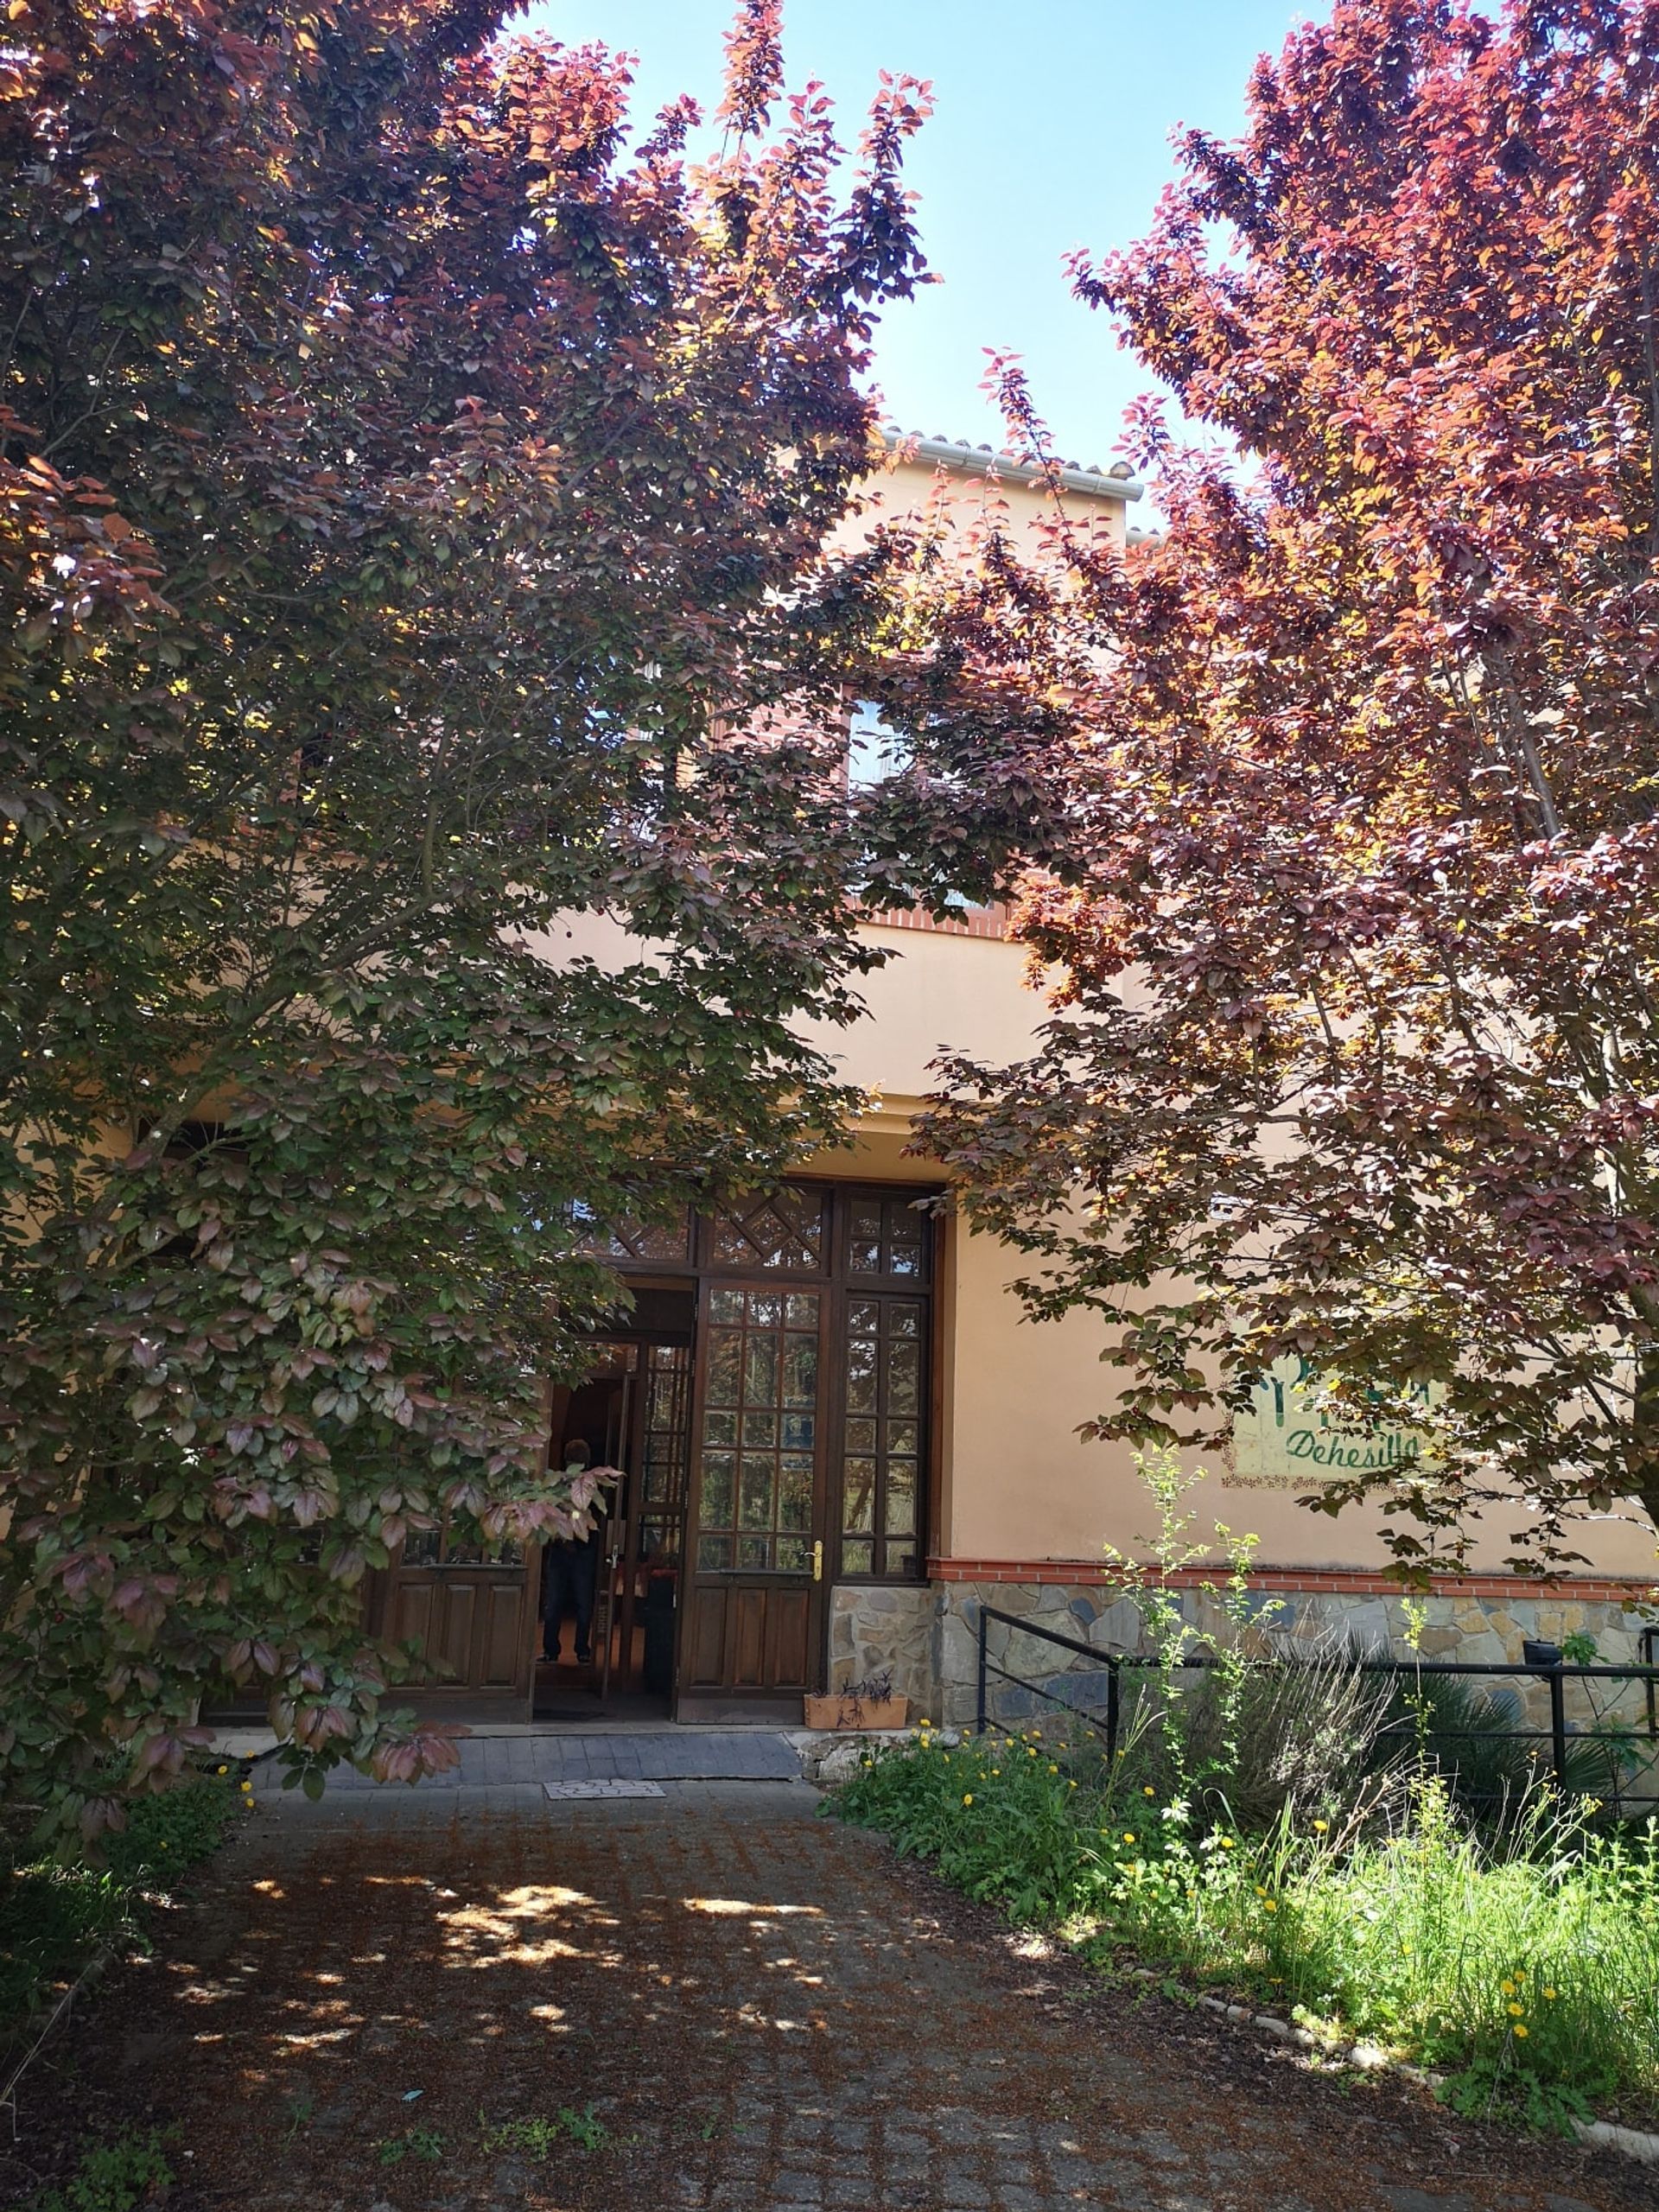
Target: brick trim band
{"points": [[976, 921], [1361, 1581]]}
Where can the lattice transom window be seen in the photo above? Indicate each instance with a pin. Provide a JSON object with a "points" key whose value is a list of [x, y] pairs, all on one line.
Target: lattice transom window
{"points": [[881, 1436], [641, 1240], [760, 1432], [785, 1231]]}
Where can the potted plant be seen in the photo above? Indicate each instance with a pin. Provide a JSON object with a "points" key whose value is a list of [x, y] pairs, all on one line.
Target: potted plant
{"points": [[868, 1704]]}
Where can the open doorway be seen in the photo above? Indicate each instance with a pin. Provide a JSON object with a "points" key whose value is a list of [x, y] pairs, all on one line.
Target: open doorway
{"points": [[608, 1611]]}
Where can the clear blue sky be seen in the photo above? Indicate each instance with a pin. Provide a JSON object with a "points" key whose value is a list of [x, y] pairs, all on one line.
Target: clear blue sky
{"points": [[1050, 131]]}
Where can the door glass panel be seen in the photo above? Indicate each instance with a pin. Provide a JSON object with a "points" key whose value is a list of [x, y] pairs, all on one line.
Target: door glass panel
{"points": [[756, 1506], [725, 1367], [881, 1397], [718, 1471], [899, 1516], [860, 1477]]}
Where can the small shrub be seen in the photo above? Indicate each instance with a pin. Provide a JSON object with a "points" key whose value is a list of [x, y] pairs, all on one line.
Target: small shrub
{"points": [[175, 1828], [54, 1916], [113, 2176]]}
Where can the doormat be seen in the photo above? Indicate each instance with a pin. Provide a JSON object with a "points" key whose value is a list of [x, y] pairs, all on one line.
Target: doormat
{"points": [[614, 1787]]}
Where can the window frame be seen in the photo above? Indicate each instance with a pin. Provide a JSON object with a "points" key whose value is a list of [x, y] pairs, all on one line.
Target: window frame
{"points": [[840, 1284]]}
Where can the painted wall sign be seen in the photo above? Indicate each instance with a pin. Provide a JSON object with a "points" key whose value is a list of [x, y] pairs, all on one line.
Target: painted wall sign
{"points": [[1284, 1442]]}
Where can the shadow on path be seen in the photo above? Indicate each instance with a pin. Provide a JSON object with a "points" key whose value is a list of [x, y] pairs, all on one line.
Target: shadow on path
{"points": [[410, 2003]]}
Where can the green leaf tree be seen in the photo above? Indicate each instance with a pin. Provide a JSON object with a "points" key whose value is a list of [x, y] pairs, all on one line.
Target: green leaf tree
{"points": [[420, 734]]}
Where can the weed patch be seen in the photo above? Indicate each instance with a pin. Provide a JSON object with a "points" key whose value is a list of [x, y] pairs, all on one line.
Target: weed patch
{"points": [[113, 2176]]}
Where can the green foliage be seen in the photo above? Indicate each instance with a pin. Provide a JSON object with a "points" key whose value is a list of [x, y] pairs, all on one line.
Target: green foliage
{"points": [[426, 834], [425, 2145], [583, 2128], [52, 1918], [113, 2176], [174, 1829], [55, 1913], [535, 2135], [1532, 1957]]}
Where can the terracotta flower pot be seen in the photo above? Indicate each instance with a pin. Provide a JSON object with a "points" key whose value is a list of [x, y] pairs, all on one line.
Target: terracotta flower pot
{"points": [[840, 1711]]}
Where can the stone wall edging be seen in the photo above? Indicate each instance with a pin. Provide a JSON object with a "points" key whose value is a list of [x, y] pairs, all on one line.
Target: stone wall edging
{"points": [[926, 1634]]}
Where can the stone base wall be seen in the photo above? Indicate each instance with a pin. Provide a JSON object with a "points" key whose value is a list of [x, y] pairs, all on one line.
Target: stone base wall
{"points": [[873, 1629], [929, 1636]]}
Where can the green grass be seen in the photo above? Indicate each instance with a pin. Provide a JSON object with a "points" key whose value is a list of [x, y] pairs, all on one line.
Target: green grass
{"points": [[54, 1918], [1525, 1963]]}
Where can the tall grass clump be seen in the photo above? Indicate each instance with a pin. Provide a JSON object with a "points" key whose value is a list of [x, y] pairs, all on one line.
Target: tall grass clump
{"points": [[1276, 1832]]}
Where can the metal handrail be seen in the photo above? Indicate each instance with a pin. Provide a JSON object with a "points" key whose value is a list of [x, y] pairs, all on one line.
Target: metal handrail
{"points": [[1556, 1673]]}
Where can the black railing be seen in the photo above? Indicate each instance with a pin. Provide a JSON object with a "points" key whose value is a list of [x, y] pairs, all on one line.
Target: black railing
{"points": [[1562, 1735]]}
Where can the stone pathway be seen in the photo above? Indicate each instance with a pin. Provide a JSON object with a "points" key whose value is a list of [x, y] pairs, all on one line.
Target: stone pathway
{"points": [[746, 2008]]}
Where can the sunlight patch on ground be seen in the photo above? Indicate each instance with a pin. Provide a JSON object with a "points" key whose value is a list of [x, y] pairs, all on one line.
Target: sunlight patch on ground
{"points": [[735, 1907]]}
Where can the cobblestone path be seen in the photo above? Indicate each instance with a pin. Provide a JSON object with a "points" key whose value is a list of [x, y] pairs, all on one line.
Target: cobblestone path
{"points": [[744, 2007]]}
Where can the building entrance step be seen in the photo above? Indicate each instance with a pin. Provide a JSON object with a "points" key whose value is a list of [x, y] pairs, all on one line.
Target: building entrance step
{"points": [[672, 1754]]}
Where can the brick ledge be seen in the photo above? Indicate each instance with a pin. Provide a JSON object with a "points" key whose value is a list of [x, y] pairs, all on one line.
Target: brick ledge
{"points": [[1361, 1581]]}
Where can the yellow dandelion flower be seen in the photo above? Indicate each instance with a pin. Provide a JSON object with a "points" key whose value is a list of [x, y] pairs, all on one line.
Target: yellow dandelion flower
{"points": [[1268, 1905], [1549, 1993], [1319, 1827], [1515, 2012], [1146, 1789], [1226, 1843], [1128, 1835], [968, 1797], [1519, 2029], [1506, 1988], [1071, 1785], [1030, 1752], [1053, 1769]]}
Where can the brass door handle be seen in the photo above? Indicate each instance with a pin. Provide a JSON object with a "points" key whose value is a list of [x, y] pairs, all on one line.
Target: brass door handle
{"points": [[817, 1562]]}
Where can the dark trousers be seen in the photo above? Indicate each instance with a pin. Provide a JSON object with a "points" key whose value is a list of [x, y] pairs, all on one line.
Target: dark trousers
{"points": [[569, 1580]]}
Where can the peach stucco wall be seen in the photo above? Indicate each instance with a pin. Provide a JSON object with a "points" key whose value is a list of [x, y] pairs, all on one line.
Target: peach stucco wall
{"points": [[1019, 1483]]}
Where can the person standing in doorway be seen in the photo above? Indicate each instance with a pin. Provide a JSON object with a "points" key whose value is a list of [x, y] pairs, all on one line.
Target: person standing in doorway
{"points": [[570, 1577]]}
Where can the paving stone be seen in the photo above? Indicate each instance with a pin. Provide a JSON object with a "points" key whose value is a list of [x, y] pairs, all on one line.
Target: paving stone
{"points": [[720, 1957]]}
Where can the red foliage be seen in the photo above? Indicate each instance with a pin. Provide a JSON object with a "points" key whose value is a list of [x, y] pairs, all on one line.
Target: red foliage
{"points": [[1357, 902]]}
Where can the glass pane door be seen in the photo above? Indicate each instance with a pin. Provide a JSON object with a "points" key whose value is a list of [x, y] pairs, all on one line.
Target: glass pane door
{"points": [[760, 1432]]}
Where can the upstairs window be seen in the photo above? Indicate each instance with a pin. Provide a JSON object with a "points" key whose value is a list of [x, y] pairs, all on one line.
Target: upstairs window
{"points": [[874, 751]]}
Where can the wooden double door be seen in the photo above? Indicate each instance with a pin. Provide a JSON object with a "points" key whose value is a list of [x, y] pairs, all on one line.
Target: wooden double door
{"points": [[767, 1406]]}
